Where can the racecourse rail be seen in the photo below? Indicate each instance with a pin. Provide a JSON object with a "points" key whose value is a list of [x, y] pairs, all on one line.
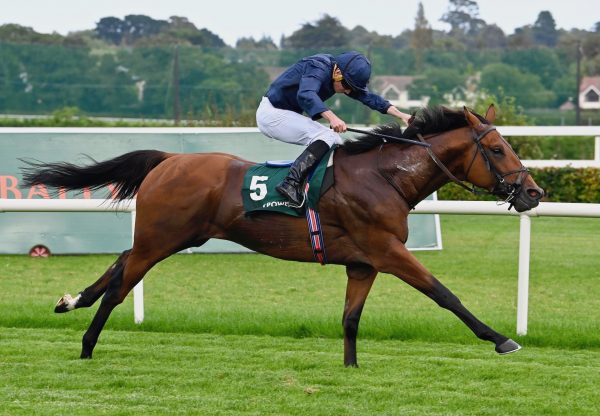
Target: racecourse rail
{"points": [[424, 207]]}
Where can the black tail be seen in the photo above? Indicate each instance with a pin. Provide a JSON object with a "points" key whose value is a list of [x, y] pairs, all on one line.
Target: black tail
{"points": [[125, 172]]}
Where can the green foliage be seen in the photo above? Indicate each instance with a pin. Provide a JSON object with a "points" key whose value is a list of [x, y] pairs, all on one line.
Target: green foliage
{"points": [[124, 67], [544, 29], [422, 36], [542, 62], [525, 87], [510, 114], [141, 30], [14, 33], [435, 83], [265, 43], [559, 184], [327, 32], [569, 184], [554, 117], [463, 17]]}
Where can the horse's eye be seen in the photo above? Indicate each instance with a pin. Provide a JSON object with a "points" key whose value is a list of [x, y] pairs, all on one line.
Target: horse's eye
{"points": [[497, 150]]}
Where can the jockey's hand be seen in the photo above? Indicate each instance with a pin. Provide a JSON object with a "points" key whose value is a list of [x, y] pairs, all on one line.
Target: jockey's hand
{"points": [[406, 118], [337, 124]]}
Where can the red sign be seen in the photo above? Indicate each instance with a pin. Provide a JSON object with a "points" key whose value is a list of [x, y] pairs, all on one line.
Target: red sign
{"points": [[9, 189]]}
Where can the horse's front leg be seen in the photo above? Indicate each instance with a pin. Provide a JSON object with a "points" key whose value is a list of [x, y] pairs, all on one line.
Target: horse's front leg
{"points": [[400, 262], [360, 280]]}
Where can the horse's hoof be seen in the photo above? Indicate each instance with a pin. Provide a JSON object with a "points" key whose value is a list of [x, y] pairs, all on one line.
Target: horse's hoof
{"points": [[507, 347], [65, 304]]}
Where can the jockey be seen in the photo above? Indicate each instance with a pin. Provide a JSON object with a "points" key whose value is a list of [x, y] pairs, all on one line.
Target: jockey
{"points": [[302, 88]]}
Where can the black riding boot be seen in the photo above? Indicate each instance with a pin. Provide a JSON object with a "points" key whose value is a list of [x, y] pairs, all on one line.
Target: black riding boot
{"points": [[292, 186]]}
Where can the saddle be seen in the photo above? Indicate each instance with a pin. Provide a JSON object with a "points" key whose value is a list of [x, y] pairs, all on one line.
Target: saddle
{"points": [[259, 194]]}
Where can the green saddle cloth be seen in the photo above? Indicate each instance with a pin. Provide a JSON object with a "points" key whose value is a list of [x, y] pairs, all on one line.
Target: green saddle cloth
{"points": [[259, 194]]}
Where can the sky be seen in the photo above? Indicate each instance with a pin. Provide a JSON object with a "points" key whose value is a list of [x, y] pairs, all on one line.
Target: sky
{"points": [[234, 19]]}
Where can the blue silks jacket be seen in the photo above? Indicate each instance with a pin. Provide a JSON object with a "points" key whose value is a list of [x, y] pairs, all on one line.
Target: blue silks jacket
{"points": [[308, 83]]}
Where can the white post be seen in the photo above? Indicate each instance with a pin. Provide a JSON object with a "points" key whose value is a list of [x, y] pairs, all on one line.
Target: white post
{"points": [[597, 149], [523, 284], [138, 290]]}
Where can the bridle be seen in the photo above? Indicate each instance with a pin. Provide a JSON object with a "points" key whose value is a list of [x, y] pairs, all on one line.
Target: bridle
{"points": [[502, 187]]}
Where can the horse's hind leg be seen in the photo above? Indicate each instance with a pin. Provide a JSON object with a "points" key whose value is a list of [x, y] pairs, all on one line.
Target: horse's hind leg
{"points": [[126, 274], [360, 280], [92, 293]]}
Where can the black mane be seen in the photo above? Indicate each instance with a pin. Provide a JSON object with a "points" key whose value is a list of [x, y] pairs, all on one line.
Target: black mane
{"points": [[427, 120]]}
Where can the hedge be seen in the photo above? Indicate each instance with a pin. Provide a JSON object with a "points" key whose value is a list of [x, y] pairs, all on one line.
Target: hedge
{"points": [[559, 184]]}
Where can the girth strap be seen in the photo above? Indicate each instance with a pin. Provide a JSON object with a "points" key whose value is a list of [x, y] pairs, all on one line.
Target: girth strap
{"points": [[315, 231]]}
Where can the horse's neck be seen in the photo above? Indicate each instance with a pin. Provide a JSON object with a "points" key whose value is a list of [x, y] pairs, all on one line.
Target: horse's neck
{"points": [[414, 171]]}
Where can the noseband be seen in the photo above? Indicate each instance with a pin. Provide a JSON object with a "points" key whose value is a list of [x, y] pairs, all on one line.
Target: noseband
{"points": [[502, 187]]}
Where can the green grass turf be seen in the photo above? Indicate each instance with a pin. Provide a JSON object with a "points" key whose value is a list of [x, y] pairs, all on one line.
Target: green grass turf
{"points": [[202, 374], [246, 334]]}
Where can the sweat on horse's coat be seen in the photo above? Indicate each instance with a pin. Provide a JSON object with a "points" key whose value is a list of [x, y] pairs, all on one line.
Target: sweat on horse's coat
{"points": [[183, 200]]}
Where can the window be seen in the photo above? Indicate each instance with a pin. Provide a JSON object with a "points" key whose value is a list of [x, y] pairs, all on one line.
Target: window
{"points": [[592, 97]]}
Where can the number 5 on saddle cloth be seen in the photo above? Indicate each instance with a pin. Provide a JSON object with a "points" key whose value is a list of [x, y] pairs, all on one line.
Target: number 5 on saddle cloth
{"points": [[259, 194]]}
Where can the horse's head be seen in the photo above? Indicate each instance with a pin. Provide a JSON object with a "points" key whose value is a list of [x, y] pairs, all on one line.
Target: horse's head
{"points": [[496, 167]]}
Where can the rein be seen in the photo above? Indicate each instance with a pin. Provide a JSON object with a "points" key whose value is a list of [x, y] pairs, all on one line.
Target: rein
{"points": [[453, 178], [387, 138], [501, 188]]}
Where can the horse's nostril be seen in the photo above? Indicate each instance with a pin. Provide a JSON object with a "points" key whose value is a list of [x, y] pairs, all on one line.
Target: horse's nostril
{"points": [[535, 193]]}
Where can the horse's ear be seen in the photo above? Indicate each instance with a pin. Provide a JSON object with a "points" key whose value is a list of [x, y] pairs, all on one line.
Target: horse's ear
{"points": [[474, 122], [490, 114]]}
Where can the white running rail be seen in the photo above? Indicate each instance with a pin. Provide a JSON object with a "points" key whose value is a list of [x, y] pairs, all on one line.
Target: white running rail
{"points": [[425, 207]]}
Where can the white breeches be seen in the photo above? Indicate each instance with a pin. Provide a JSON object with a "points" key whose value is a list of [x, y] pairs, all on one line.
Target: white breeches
{"points": [[290, 127]]}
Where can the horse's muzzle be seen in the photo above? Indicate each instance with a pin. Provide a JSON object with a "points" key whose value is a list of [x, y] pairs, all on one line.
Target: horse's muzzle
{"points": [[527, 198]]}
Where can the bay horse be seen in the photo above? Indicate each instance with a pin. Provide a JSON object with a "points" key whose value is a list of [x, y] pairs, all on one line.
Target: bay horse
{"points": [[183, 200]]}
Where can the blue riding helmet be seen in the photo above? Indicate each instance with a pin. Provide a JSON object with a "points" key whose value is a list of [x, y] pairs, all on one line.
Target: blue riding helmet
{"points": [[356, 70]]}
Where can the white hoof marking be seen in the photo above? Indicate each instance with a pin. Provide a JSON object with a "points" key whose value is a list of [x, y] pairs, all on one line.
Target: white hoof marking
{"points": [[69, 301]]}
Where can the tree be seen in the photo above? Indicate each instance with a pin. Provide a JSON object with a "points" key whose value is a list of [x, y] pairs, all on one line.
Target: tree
{"points": [[114, 91], [422, 37], [522, 38], [327, 32], [436, 83], [21, 34], [491, 36], [463, 18], [359, 37], [264, 44], [110, 29], [136, 26], [180, 28], [542, 62], [511, 114], [591, 46], [507, 80], [544, 30]]}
